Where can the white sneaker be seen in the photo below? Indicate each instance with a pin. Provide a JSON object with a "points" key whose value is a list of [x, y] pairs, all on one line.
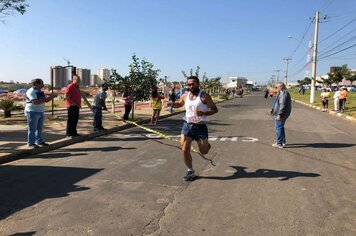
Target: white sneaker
{"points": [[277, 145]]}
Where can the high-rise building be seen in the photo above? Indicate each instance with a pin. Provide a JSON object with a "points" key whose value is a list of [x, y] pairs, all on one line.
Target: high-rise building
{"points": [[84, 75], [61, 75], [95, 80], [103, 74]]}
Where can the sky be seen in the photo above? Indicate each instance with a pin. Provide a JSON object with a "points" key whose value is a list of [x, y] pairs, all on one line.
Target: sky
{"points": [[224, 37]]}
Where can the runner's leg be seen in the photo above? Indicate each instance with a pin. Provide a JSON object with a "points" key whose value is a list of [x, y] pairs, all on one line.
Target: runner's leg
{"points": [[186, 143], [204, 146]]}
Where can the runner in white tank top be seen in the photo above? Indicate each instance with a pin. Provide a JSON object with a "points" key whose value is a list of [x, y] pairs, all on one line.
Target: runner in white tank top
{"points": [[191, 108], [198, 106]]}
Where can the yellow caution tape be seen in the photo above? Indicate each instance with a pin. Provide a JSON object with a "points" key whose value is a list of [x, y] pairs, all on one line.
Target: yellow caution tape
{"points": [[164, 136], [149, 130]]}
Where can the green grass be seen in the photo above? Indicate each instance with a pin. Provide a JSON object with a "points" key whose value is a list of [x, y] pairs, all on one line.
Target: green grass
{"points": [[350, 108]]}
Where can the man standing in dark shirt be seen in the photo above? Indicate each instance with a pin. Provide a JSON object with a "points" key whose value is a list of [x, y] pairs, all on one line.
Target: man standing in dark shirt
{"points": [[73, 104], [282, 107]]}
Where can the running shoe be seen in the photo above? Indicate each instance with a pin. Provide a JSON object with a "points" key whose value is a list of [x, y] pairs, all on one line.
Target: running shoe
{"points": [[189, 176]]}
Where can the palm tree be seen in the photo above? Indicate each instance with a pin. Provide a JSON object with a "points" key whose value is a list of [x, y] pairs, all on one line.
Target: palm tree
{"points": [[8, 105]]}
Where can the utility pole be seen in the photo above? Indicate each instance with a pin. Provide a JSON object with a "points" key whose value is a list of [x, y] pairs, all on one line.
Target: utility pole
{"points": [[286, 74], [315, 53], [277, 74]]}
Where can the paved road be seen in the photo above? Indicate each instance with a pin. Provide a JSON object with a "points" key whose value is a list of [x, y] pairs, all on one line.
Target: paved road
{"points": [[130, 183]]}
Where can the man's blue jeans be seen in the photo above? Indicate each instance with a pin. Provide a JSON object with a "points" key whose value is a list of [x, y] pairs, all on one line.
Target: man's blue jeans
{"points": [[98, 117], [279, 125], [35, 126]]}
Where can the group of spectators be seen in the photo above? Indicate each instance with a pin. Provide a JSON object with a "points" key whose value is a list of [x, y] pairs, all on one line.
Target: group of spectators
{"points": [[36, 99], [339, 99]]}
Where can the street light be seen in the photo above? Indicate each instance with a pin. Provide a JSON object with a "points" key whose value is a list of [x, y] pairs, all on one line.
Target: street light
{"points": [[291, 37], [286, 71]]}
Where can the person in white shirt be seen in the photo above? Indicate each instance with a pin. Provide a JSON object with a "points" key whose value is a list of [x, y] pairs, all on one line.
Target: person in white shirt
{"points": [[325, 99], [98, 106], [34, 111], [336, 99]]}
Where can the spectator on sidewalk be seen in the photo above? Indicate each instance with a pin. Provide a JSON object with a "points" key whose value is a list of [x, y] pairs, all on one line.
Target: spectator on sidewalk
{"points": [[302, 90], [128, 98], [325, 99], [34, 111], [156, 106], [281, 110], [73, 104], [336, 99], [98, 106], [266, 92], [172, 99], [342, 99]]}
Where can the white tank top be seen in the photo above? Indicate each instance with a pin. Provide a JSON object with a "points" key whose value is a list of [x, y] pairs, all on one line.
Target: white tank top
{"points": [[191, 107]]}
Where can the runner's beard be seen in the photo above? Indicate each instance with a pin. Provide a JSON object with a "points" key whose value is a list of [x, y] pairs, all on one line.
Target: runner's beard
{"points": [[193, 90]]}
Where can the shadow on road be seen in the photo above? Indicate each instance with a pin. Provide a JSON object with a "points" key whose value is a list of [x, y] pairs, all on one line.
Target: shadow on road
{"points": [[58, 155], [24, 234], [234, 105], [24, 186], [260, 173], [320, 145], [100, 149]]}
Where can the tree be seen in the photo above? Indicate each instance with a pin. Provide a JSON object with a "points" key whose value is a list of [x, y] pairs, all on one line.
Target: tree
{"points": [[197, 71], [351, 78], [117, 82], [300, 82], [8, 105], [10, 7], [327, 81], [338, 74], [307, 80], [143, 78]]}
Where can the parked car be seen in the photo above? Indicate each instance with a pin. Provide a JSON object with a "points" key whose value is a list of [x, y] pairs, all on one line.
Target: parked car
{"points": [[348, 87]]}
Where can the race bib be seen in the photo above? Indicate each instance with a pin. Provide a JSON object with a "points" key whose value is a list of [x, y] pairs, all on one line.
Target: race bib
{"points": [[191, 115]]}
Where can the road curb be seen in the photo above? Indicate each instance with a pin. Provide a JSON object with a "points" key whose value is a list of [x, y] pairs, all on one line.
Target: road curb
{"points": [[330, 112], [20, 154]]}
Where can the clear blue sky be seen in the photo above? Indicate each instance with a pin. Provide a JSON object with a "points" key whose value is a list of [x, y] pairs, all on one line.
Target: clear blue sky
{"points": [[224, 37]]}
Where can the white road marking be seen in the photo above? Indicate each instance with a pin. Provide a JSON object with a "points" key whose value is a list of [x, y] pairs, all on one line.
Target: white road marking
{"points": [[152, 163], [211, 138]]}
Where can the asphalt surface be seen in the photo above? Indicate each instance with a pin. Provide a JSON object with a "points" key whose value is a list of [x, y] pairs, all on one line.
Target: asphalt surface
{"points": [[130, 182]]}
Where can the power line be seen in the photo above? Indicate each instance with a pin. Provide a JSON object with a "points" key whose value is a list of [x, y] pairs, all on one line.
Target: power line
{"points": [[326, 5], [341, 44], [337, 30], [341, 38], [301, 69], [302, 38], [338, 52], [301, 59]]}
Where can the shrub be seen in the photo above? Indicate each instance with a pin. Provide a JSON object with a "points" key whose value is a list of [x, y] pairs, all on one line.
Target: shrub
{"points": [[8, 105]]}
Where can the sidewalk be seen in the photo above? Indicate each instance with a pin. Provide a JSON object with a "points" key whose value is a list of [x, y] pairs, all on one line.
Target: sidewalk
{"points": [[328, 111], [13, 134]]}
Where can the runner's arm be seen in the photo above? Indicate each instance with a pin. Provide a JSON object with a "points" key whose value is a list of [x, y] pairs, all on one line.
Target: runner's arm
{"points": [[206, 98], [178, 104]]}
